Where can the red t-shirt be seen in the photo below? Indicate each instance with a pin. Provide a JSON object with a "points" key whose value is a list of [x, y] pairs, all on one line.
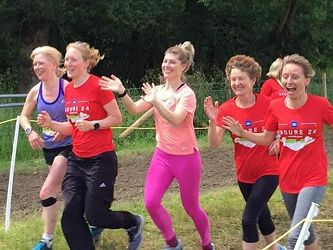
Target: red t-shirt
{"points": [[252, 161], [86, 103], [272, 89], [303, 162]]}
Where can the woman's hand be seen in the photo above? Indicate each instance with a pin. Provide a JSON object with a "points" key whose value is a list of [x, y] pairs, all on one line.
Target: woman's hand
{"points": [[232, 125], [35, 140], [274, 148], [58, 137], [211, 109], [150, 92], [84, 125], [112, 83], [44, 120]]}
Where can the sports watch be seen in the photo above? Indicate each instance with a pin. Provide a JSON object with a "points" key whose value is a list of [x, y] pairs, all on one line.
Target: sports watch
{"points": [[28, 131], [96, 126]]}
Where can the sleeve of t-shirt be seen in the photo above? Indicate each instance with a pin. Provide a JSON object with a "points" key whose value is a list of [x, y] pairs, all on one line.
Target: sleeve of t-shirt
{"points": [[222, 111], [105, 96], [271, 122], [188, 102], [328, 112]]}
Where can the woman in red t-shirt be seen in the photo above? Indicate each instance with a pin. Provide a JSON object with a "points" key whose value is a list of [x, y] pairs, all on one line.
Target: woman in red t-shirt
{"points": [[272, 87], [299, 120], [257, 180], [88, 185]]}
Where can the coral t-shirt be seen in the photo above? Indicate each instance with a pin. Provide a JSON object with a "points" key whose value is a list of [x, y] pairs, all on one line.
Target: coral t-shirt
{"points": [[176, 139], [303, 162], [86, 103], [272, 89], [252, 161]]}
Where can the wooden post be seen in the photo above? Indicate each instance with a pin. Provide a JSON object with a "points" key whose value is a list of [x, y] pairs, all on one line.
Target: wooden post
{"points": [[324, 81], [137, 123]]}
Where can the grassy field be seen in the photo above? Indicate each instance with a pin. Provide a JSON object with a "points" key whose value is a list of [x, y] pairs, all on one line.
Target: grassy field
{"points": [[224, 208]]}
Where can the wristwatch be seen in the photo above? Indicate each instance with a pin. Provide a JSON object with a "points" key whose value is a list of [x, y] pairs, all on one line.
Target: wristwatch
{"points": [[28, 131], [96, 125]]}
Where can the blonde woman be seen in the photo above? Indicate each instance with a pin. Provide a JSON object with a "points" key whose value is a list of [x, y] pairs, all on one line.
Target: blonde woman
{"points": [[176, 156], [48, 95], [88, 185], [272, 87]]}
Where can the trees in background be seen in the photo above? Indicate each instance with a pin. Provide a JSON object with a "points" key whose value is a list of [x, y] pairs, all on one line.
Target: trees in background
{"points": [[133, 34]]}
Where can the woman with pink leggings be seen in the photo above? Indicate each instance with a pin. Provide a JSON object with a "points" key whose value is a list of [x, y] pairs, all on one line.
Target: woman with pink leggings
{"points": [[177, 155]]}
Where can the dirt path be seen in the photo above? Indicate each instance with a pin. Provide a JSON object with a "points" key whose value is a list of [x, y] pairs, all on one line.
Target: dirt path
{"points": [[218, 171]]}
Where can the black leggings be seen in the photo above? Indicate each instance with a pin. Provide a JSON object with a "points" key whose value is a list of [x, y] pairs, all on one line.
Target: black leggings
{"points": [[256, 209], [88, 188]]}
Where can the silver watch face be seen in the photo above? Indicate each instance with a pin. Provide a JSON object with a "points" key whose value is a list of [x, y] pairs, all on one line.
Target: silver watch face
{"points": [[27, 131]]}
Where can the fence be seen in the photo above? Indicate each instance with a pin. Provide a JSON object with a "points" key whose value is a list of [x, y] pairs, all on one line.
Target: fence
{"points": [[11, 105]]}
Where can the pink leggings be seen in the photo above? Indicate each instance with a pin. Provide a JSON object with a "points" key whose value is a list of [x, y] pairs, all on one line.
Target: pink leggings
{"points": [[186, 169]]}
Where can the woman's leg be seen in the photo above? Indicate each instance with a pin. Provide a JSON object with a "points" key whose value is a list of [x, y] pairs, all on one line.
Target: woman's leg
{"points": [[100, 180], [158, 181], [100, 177], [256, 210], [49, 192], [298, 206], [187, 170], [73, 222]]}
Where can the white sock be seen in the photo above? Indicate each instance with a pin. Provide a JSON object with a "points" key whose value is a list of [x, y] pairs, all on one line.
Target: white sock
{"points": [[47, 238]]}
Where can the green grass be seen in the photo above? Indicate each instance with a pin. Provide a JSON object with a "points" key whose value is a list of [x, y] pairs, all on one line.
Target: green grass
{"points": [[223, 206]]}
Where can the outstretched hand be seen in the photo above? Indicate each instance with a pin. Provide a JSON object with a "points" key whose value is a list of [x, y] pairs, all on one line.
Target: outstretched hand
{"points": [[150, 92], [112, 83], [211, 109], [232, 125]]}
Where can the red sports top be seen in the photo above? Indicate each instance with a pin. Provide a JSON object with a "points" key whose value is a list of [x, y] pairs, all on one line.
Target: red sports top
{"points": [[86, 102], [303, 162], [272, 89], [252, 161]]}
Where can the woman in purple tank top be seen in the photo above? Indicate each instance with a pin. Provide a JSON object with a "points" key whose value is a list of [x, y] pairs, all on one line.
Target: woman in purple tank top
{"points": [[48, 95]]}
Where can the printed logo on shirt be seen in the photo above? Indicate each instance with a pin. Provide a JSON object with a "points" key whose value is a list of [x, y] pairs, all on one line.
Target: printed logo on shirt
{"points": [[296, 135], [77, 110], [102, 185], [253, 127], [244, 142], [293, 124], [248, 123]]}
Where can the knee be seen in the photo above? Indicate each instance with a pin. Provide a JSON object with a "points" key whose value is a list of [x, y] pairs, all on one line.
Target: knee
{"points": [[152, 205], [44, 193], [96, 217], [192, 211], [48, 202]]}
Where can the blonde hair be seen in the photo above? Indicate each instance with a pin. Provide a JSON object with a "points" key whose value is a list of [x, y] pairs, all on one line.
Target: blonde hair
{"points": [[53, 54], [88, 53], [244, 63], [275, 68], [185, 52], [301, 61]]}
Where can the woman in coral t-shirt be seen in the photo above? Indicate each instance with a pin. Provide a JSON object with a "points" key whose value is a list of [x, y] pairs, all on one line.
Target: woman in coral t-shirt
{"points": [[299, 120], [177, 155]]}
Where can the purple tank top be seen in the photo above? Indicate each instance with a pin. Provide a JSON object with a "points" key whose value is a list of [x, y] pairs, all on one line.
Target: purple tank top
{"points": [[56, 110]]}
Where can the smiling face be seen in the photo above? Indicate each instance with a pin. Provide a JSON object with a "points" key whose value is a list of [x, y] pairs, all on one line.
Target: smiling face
{"points": [[294, 80], [172, 68], [44, 67], [74, 63], [240, 82]]}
